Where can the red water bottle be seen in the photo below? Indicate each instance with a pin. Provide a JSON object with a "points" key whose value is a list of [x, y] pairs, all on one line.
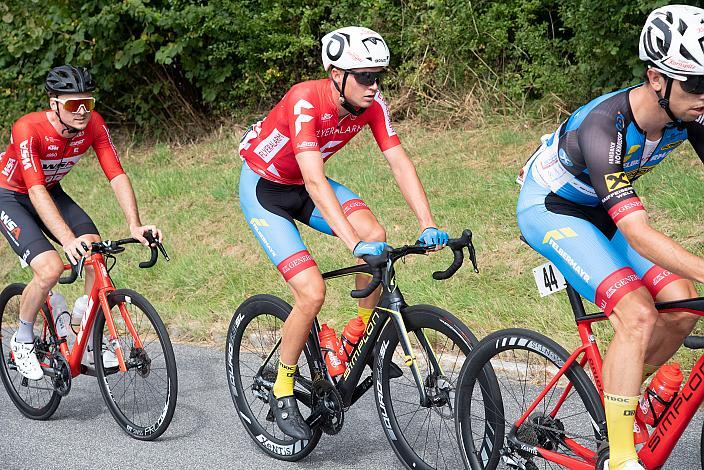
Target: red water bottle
{"points": [[350, 337], [659, 394], [331, 347]]}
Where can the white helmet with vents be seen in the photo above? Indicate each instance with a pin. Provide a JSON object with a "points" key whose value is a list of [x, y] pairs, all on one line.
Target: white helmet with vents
{"points": [[354, 47], [672, 40]]}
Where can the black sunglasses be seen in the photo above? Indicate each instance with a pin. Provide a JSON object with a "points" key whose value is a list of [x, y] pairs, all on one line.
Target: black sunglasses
{"points": [[694, 84], [366, 78]]}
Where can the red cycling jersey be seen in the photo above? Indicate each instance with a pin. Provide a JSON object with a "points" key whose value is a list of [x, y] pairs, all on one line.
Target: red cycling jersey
{"points": [[37, 154], [306, 119]]}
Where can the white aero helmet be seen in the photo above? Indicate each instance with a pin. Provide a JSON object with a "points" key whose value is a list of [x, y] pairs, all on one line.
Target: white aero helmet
{"points": [[672, 40], [354, 47]]}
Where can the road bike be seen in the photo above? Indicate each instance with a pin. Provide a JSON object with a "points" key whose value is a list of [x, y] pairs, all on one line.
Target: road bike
{"points": [[415, 407], [549, 411], [140, 392]]}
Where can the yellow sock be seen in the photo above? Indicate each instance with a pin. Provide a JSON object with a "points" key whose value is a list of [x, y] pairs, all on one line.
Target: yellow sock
{"points": [[283, 386], [648, 370], [620, 414], [365, 314]]}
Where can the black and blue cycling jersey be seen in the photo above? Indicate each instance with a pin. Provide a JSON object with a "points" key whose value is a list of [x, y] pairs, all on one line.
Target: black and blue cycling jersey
{"points": [[578, 185]]}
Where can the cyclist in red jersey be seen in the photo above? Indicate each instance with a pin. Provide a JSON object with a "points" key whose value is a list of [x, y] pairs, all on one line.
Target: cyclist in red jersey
{"points": [[44, 147], [283, 179]]}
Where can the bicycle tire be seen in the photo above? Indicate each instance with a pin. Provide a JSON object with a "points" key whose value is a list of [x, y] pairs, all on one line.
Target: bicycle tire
{"points": [[154, 360], [40, 400], [449, 341], [541, 429], [249, 400]]}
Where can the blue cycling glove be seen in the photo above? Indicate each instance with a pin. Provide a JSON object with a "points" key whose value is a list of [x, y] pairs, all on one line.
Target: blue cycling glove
{"points": [[433, 236], [369, 248]]}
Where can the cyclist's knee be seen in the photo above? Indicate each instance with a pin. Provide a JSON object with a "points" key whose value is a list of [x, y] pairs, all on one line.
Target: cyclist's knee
{"points": [[47, 268], [635, 319], [309, 294], [374, 233]]}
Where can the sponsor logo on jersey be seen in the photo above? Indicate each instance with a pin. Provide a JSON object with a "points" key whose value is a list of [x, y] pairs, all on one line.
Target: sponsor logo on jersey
{"points": [[620, 120], [270, 146], [620, 283], [615, 150], [53, 147], [564, 158], [52, 155], [559, 234], [326, 117], [259, 222], [631, 152], [50, 139], [616, 181], [300, 117], [76, 150], [671, 145], [60, 165], [638, 172], [9, 167], [77, 142], [306, 145], [569, 260]]}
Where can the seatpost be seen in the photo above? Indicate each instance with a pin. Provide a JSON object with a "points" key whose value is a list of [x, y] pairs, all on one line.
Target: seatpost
{"points": [[576, 303]]}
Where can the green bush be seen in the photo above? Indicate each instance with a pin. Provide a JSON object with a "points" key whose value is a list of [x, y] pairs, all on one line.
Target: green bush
{"points": [[183, 64]]}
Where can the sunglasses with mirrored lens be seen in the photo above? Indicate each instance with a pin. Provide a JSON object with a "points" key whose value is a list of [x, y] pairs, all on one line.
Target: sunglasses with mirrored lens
{"points": [[72, 105], [694, 84], [366, 78]]}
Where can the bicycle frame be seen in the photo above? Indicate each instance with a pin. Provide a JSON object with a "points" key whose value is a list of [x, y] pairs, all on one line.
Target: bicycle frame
{"points": [[98, 297], [670, 426]]}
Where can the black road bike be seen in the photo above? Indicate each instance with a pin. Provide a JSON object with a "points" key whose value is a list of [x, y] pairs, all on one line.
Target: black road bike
{"points": [[415, 409]]}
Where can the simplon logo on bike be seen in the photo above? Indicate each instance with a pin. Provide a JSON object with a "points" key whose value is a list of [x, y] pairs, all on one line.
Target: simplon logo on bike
{"points": [[358, 350]]}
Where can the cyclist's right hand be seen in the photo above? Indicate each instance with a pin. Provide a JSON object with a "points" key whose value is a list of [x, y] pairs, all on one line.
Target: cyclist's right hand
{"points": [[76, 248], [369, 248]]}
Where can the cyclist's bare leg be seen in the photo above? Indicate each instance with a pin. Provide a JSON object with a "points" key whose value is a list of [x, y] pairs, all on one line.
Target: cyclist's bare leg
{"points": [[47, 268], [369, 230], [673, 327], [633, 320], [308, 290]]}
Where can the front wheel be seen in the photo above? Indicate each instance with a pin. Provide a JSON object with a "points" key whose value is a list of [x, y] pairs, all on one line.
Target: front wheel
{"points": [[423, 434], [143, 399], [36, 399], [565, 426], [251, 360]]}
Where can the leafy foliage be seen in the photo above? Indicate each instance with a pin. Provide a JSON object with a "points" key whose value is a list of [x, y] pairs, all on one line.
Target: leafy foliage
{"points": [[177, 63]]}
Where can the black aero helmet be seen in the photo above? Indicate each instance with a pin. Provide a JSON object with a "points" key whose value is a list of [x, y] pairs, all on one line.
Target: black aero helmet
{"points": [[69, 79]]}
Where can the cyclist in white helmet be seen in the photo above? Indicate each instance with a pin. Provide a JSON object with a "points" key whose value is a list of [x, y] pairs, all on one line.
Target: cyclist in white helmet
{"points": [[580, 179], [283, 180]]}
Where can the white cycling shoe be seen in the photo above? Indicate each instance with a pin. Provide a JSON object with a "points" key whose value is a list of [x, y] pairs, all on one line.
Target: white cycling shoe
{"points": [[26, 359], [629, 465], [109, 357]]}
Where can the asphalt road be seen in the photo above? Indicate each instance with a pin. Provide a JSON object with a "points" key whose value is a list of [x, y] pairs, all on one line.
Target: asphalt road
{"points": [[205, 432]]}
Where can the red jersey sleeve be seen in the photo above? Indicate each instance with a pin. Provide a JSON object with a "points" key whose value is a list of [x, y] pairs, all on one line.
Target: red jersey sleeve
{"points": [[27, 145], [380, 124], [104, 148], [302, 116]]}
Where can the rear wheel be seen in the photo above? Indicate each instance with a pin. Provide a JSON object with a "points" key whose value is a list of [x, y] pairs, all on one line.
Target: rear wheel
{"points": [[143, 399], [568, 420], [423, 435], [251, 360], [36, 399]]}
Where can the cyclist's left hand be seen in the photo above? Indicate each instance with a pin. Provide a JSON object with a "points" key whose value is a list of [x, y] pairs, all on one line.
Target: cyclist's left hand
{"points": [[138, 231], [433, 236]]}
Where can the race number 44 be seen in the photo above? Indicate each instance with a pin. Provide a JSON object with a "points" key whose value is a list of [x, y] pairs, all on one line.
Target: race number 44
{"points": [[549, 279]]}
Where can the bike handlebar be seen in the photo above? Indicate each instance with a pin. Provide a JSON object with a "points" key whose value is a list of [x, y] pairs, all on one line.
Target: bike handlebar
{"points": [[389, 256], [113, 247]]}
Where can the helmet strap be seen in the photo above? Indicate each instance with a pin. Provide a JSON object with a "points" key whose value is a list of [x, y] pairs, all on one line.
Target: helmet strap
{"points": [[664, 102], [343, 101], [67, 129]]}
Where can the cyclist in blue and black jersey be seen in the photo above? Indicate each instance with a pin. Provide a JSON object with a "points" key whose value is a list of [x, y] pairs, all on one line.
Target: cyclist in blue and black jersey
{"points": [[578, 208]]}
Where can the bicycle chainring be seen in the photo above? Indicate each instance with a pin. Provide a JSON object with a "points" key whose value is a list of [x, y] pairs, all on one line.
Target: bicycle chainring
{"points": [[328, 401], [62, 374]]}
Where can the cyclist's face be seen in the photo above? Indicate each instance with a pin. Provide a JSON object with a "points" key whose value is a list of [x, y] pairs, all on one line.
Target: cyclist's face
{"points": [[684, 105], [77, 119], [356, 93]]}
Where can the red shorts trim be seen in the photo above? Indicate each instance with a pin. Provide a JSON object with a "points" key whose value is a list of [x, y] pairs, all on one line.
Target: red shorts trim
{"points": [[295, 263], [614, 287], [354, 205], [657, 278]]}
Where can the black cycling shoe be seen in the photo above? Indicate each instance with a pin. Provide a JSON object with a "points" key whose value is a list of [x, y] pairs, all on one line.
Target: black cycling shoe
{"points": [[288, 417]]}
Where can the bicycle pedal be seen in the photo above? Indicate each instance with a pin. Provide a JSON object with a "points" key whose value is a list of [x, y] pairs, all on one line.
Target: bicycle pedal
{"points": [[694, 342]]}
